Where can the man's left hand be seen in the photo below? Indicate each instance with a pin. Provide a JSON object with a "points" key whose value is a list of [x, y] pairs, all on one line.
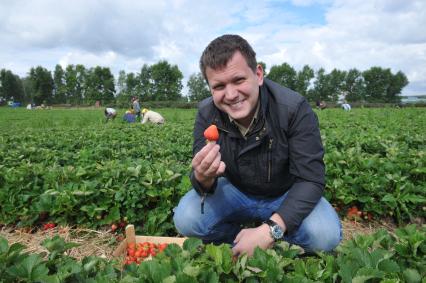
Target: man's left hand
{"points": [[248, 239]]}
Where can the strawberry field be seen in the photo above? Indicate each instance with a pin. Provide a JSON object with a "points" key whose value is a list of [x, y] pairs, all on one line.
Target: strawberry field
{"points": [[69, 167]]}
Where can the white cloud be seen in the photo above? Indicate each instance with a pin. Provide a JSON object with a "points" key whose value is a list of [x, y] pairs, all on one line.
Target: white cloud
{"points": [[124, 35]]}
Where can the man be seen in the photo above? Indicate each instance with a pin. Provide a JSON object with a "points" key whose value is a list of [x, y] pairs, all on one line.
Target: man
{"points": [[267, 164], [136, 107], [152, 116], [110, 113]]}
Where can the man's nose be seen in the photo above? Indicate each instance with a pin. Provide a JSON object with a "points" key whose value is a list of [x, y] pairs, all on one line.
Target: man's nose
{"points": [[231, 92]]}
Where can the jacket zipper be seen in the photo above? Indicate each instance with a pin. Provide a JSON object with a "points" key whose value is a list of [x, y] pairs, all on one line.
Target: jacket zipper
{"points": [[270, 159]]}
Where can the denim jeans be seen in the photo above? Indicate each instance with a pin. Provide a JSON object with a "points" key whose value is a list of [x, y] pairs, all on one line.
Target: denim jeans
{"points": [[227, 209]]}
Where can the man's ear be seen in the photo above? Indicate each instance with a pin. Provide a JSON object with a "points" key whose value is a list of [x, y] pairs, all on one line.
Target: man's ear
{"points": [[259, 74]]}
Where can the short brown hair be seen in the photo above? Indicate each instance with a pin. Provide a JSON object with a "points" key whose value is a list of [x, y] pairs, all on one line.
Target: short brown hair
{"points": [[220, 51]]}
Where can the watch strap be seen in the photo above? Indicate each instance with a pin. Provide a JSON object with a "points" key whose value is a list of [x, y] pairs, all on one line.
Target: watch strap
{"points": [[271, 225]]}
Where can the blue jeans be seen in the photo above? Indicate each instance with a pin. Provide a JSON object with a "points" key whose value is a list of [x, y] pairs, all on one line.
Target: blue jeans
{"points": [[227, 209]]}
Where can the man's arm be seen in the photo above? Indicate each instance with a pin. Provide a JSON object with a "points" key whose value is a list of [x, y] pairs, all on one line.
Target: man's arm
{"points": [[306, 164], [206, 162], [145, 118]]}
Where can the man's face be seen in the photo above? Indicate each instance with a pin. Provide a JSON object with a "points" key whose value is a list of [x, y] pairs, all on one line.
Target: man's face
{"points": [[235, 88]]}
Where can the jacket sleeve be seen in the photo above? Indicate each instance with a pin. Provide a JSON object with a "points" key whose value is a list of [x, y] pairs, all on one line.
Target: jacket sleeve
{"points": [[200, 125], [306, 164]]}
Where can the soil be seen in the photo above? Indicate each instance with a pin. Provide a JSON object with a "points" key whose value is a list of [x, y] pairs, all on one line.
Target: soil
{"points": [[102, 243]]}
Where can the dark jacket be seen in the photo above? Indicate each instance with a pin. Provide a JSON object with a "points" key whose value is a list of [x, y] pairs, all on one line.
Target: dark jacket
{"points": [[283, 153]]}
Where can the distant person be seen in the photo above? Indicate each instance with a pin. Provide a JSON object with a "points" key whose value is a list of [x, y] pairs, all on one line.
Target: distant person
{"points": [[129, 116], [136, 107], [321, 104], [110, 113], [151, 116], [346, 106], [29, 106]]}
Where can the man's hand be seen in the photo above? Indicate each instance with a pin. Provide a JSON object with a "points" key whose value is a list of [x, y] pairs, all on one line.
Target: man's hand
{"points": [[207, 165], [248, 239]]}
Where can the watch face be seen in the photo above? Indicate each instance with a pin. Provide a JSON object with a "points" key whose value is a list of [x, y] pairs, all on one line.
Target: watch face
{"points": [[277, 232]]}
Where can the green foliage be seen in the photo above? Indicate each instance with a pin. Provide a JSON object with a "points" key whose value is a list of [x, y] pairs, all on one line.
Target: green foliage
{"points": [[283, 74], [59, 96], [99, 86], [42, 85], [197, 87], [303, 80], [11, 87], [382, 85], [375, 160], [68, 166], [366, 258]]}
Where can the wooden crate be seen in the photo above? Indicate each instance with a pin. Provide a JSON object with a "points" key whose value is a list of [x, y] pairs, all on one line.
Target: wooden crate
{"points": [[131, 237]]}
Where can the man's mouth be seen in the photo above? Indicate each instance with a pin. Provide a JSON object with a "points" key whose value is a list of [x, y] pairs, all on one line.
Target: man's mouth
{"points": [[236, 105]]}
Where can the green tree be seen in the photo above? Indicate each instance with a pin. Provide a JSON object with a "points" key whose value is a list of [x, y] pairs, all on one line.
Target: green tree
{"points": [[11, 87], [336, 84], [321, 86], [128, 86], [167, 81], [398, 82], [99, 86], [377, 81], [354, 86], [59, 83], [42, 85], [28, 89], [328, 87], [197, 87], [146, 83], [303, 80], [75, 77], [123, 97], [283, 74]]}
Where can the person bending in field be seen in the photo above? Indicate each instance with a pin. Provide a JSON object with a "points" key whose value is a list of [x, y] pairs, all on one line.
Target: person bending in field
{"points": [[266, 167], [110, 113], [152, 116]]}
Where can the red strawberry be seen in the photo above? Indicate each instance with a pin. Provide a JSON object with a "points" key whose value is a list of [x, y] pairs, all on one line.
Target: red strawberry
{"points": [[211, 133]]}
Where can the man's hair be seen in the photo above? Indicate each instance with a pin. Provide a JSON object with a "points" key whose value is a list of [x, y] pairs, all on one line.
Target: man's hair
{"points": [[220, 51]]}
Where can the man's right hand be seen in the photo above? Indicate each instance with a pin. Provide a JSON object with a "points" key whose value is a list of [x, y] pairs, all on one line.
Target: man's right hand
{"points": [[207, 165]]}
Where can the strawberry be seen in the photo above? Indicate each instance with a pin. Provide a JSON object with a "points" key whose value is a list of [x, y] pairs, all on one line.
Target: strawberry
{"points": [[211, 133], [49, 225], [114, 227]]}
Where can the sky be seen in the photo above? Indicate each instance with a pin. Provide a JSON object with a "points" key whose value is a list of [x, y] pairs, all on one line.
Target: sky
{"points": [[125, 34]]}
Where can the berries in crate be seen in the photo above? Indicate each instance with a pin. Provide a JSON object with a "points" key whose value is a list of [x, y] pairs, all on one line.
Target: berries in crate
{"points": [[135, 249]]}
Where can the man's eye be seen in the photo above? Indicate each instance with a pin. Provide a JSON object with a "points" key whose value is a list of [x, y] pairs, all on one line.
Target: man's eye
{"points": [[218, 87], [239, 80]]}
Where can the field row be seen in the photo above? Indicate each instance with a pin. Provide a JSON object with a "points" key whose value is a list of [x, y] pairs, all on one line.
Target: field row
{"points": [[69, 167]]}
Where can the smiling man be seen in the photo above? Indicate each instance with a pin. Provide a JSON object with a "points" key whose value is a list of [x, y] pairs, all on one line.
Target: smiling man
{"points": [[266, 167]]}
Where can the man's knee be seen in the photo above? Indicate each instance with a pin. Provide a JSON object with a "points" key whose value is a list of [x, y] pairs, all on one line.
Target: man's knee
{"points": [[187, 219], [323, 228], [323, 239]]}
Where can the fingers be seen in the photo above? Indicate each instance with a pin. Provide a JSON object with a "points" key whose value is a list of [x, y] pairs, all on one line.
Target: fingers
{"points": [[207, 161], [236, 250], [238, 237], [221, 169], [198, 158]]}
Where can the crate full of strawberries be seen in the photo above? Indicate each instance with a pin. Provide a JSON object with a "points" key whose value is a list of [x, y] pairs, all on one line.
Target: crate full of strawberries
{"points": [[135, 249]]}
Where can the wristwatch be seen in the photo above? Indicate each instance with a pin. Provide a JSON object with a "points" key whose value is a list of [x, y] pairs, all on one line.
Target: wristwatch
{"points": [[276, 232]]}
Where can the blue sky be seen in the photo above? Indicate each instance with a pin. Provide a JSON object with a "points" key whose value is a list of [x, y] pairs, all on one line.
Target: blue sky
{"points": [[124, 35]]}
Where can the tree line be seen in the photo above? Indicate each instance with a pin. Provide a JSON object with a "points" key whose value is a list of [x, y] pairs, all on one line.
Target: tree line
{"points": [[78, 85]]}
